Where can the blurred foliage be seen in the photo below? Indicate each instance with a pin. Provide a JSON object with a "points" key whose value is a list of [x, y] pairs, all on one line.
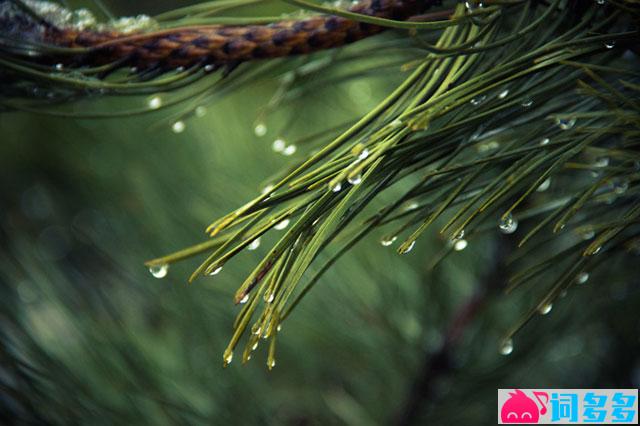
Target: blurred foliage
{"points": [[88, 336]]}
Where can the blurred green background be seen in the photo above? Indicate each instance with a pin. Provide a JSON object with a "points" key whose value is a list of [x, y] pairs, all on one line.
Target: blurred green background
{"points": [[88, 336]]}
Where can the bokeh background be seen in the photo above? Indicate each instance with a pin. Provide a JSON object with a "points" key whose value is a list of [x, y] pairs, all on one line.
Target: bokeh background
{"points": [[88, 336]]}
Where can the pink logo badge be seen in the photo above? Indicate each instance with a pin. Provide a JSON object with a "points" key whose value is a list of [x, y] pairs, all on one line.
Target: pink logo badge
{"points": [[519, 408]]}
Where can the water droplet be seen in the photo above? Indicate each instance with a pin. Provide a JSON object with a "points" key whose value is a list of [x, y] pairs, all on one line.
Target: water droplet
{"points": [[271, 363], [588, 235], [335, 186], [527, 103], [408, 248], [227, 357], [610, 44], [200, 111], [488, 146], [159, 271], [458, 236], [565, 123], [620, 186], [355, 179], [267, 189], [544, 185], [178, 126], [279, 327], [209, 68], [472, 5], [460, 245], [397, 122], [508, 224], [155, 102], [478, 100], [254, 244], [601, 162], [270, 298], [278, 145], [388, 240], [545, 309], [215, 271], [600, 2], [410, 205], [245, 299], [289, 150], [545, 141], [596, 251], [59, 67], [506, 347], [582, 277], [255, 346], [260, 130], [282, 224], [503, 94]]}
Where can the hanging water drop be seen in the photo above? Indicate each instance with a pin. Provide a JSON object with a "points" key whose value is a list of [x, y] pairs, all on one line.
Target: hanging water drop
{"points": [[282, 224], [565, 123], [200, 111], [278, 145], [620, 186], [355, 179], [271, 363], [279, 327], [159, 271], [600, 2], [254, 244], [388, 240], [155, 102], [267, 189], [245, 299], [472, 5], [544, 185], [408, 248], [595, 251], [335, 186], [545, 141], [227, 357], [270, 298], [255, 346], [508, 224], [610, 44], [289, 150], [397, 122], [209, 68], [260, 130], [545, 309], [527, 103], [582, 277], [506, 347], [215, 271], [503, 94], [587, 235], [410, 205], [460, 244], [478, 100], [59, 67], [178, 126], [601, 162]]}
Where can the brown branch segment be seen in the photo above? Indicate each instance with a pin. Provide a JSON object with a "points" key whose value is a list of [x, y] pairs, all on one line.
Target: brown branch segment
{"points": [[225, 45]]}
